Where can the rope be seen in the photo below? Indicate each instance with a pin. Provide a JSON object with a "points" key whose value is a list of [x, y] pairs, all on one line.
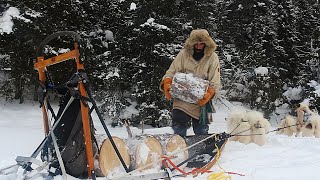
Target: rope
{"points": [[235, 128], [214, 176], [278, 129], [221, 175], [238, 134], [194, 171]]}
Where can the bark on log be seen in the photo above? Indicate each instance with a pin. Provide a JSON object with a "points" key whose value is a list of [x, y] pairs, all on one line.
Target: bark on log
{"points": [[108, 160], [144, 150], [188, 88]]}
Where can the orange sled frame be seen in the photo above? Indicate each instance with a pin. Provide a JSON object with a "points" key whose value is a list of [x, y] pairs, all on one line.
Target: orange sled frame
{"points": [[41, 66]]}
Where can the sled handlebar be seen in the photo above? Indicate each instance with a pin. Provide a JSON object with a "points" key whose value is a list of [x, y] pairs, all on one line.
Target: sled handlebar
{"points": [[40, 49]]}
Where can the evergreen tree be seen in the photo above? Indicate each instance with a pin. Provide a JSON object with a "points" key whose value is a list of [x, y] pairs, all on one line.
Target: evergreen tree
{"points": [[128, 46]]}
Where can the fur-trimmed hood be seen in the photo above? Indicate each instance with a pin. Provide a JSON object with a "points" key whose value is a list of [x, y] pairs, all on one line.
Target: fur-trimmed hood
{"points": [[200, 35]]}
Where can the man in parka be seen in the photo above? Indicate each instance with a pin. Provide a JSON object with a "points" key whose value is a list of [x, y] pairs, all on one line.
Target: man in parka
{"points": [[197, 57]]}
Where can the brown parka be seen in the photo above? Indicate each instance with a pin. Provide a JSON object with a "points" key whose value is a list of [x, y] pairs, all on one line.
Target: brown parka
{"points": [[208, 67]]}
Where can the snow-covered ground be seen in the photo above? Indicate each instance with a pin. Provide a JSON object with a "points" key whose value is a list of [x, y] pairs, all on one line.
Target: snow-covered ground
{"points": [[283, 157]]}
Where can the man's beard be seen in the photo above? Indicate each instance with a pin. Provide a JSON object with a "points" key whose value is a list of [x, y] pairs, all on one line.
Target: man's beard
{"points": [[198, 54]]}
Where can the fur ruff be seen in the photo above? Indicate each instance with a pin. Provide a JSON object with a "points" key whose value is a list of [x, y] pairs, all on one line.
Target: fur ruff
{"points": [[200, 35]]}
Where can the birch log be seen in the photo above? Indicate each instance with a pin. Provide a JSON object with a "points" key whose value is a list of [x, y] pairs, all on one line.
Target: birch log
{"points": [[108, 160], [144, 150], [148, 149], [188, 88]]}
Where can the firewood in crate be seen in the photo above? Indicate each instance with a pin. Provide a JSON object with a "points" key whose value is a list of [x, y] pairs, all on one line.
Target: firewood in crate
{"points": [[188, 88]]}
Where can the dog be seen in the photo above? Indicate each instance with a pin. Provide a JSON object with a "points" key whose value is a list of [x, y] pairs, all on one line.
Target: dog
{"points": [[312, 127], [308, 129], [250, 125], [260, 126], [238, 125], [288, 126], [255, 117], [291, 125], [258, 134]]}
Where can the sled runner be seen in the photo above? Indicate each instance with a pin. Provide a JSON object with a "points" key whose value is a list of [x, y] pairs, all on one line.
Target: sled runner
{"points": [[70, 145]]}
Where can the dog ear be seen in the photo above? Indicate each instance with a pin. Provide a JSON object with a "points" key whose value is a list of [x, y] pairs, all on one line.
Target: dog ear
{"points": [[296, 106]]}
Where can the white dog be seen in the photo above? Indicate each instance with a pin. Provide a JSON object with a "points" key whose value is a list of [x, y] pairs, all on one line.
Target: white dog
{"points": [[288, 126], [308, 129], [237, 125], [259, 134], [254, 117], [312, 127], [251, 126], [293, 125], [260, 126]]}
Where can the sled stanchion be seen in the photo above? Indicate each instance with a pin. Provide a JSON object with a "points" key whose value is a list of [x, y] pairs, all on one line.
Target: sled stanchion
{"points": [[86, 130], [26, 166], [85, 116], [107, 131]]}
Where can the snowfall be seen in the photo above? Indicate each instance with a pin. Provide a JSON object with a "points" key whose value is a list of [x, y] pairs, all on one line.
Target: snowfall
{"points": [[283, 157]]}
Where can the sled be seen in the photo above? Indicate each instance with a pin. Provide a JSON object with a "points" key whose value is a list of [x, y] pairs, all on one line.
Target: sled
{"points": [[70, 146]]}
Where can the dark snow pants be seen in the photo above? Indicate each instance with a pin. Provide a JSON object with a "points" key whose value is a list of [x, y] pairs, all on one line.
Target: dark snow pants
{"points": [[181, 122]]}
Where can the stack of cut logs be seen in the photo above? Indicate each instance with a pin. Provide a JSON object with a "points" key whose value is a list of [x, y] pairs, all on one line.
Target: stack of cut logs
{"points": [[141, 153]]}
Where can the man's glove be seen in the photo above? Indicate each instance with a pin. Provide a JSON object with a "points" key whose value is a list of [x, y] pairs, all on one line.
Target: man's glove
{"points": [[207, 96], [166, 87]]}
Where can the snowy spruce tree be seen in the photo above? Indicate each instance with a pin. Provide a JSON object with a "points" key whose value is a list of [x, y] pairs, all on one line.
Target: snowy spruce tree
{"points": [[266, 49]]}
